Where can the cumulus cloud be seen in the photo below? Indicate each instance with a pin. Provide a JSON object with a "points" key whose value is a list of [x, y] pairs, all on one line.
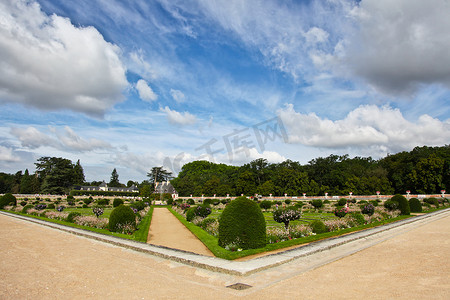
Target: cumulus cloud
{"points": [[245, 155], [177, 95], [178, 118], [145, 91], [401, 44], [367, 126], [49, 63], [68, 140], [6, 154]]}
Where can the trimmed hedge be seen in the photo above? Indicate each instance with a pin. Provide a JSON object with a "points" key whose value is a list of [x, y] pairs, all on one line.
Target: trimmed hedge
{"points": [[242, 224], [415, 205], [403, 204], [120, 217], [117, 202]]}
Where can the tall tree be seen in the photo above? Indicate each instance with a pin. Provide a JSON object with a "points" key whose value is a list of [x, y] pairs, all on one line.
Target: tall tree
{"points": [[56, 174], [114, 181], [26, 183], [78, 173], [158, 174]]}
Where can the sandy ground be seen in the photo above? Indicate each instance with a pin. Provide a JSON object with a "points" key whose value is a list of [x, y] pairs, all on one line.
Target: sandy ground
{"points": [[38, 262], [166, 230]]}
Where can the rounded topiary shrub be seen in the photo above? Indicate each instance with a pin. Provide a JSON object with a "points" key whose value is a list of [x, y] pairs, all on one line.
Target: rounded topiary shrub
{"points": [[117, 202], [8, 199], [190, 214], [403, 204], [317, 203], [242, 224], [318, 226], [191, 201], [122, 219], [103, 202], [27, 207], [202, 211], [72, 215], [51, 206], [415, 205]]}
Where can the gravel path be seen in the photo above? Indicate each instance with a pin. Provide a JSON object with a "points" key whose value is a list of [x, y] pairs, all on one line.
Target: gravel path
{"points": [[166, 230], [38, 262]]}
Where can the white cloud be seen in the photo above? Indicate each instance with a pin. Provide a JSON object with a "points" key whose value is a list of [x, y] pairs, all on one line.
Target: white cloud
{"points": [[6, 154], [67, 140], [32, 138], [145, 91], [401, 44], [177, 95], [49, 63], [178, 118], [365, 127]]}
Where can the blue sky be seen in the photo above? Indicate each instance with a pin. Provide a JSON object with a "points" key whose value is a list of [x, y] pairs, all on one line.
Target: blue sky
{"points": [[136, 84]]}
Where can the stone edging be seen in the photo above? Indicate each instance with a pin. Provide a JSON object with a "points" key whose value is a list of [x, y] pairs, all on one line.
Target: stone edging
{"points": [[241, 268]]}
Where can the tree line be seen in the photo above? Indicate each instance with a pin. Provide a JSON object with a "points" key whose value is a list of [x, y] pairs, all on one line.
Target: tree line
{"points": [[424, 170]]}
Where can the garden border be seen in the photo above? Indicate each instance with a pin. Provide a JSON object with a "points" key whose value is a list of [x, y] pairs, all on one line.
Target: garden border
{"points": [[242, 268]]}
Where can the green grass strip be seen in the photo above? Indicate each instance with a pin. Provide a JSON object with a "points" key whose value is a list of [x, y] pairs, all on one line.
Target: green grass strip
{"points": [[141, 234]]}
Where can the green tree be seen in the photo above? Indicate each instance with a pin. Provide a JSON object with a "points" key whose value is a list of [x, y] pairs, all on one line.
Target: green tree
{"points": [[159, 174], [78, 173], [114, 181], [427, 175], [56, 174], [26, 183]]}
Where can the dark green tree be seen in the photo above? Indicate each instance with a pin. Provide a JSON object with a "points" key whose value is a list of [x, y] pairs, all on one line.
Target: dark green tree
{"points": [[114, 181], [56, 174], [78, 173], [159, 174], [26, 183]]}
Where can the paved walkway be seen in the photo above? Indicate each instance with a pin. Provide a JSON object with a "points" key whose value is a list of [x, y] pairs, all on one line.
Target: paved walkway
{"points": [[407, 262], [166, 230]]}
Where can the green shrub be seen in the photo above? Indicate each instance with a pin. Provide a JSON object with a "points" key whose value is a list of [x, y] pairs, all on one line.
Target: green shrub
{"points": [[117, 202], [207, 201], [190, 214], [340, 212], [51, 206], [432, 201], [279, 203], [169, 201], [368, 209], [374, 202], [362, 202], [70, 197], [358, 218], [23, 203], [138, 205], [85, 206], [103, 202], [206, 222], [242, 224], [342, 202], [225, 201], [318, 227], [326, 201], [190, 201], [403, 204], [26, 207], [288, 201], [7, 199], [390, 205], [299, 205], [72, 215], [122, 219], [265, 204], [317, 203], [414, 205], [202, 211]]}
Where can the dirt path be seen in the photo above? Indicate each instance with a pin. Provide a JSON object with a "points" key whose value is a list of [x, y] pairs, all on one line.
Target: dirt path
{"points": [[37, 262], [166, 230]]}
